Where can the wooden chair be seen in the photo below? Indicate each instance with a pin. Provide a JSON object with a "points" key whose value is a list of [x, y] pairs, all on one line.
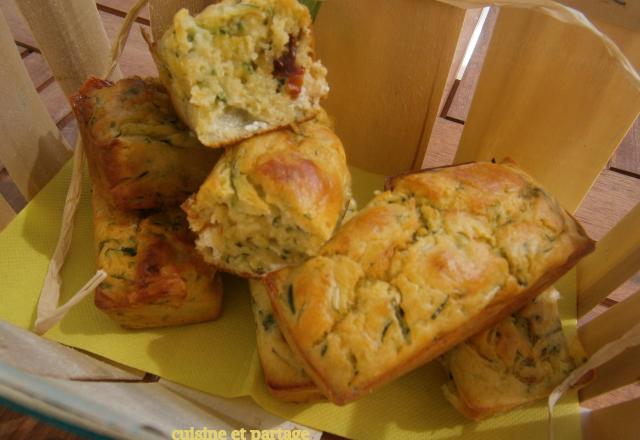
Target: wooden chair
{"points": [[549, 96]]}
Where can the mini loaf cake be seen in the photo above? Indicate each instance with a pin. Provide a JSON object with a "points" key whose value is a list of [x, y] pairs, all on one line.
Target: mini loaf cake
{"points": [[272, 200], [283, 372], [140, 155], [240, 68], [519, 360], [439, 256], [155, 277]]}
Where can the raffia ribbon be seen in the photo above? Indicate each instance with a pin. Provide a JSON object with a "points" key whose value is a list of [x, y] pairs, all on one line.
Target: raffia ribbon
{"points": [[48, 312]]}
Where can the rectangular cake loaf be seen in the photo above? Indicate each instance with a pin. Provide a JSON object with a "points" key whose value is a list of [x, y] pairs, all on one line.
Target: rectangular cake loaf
{"points": [[156, 277], [283, 372], [519, 360], [140, 155], [441, 255]]}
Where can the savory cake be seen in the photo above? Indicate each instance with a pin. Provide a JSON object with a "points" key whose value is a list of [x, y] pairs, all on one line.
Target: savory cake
{"points": [[439, 256], [283, 372], [519, 360], [140, 154], [156, 278], [272, 200], [241, 67]]}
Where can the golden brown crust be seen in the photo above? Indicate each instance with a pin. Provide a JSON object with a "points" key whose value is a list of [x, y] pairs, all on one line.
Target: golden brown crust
{"points": [[283, 373], [444, 255], [271, 201], [139, 154], [155, 276], [519, 360]]}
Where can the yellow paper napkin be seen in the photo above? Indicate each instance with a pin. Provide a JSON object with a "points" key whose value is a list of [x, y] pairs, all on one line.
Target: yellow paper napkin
{"points": [[220, 357]]}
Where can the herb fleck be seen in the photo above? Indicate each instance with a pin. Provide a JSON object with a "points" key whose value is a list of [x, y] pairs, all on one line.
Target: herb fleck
{"points": [[292, 304]]}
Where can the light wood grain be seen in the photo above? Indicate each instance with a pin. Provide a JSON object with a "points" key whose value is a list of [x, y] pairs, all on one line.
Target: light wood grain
{"points": [[471, 17], [443, 144], [385, 99], [611, 324], [627, 156], [38, 69], [619, 422], [55, 101], [71, 38], [611, 197], [6, 212], [551, 97], [615, 260], [461, 102], [32, 149], [17, 24]]}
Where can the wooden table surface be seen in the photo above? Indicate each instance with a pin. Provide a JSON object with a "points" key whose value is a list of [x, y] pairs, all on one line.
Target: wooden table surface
{"points": [[615, 192]]}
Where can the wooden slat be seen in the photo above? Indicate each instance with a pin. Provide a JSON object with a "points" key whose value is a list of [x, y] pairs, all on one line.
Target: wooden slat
{"points": [[551, 97], [471, 17], [10, 192], [161, 12], [615, 260], [611, 197], [443, 144], [71, 38], [461, 102], [23, 50], [619, 422], [627, 289], [17, 24], [611, 324], [69, 129], [31, 149], [615, 374], [55, 101], [38, 69], [627, 156], [136, 58], [385, 101], [6, 212]]}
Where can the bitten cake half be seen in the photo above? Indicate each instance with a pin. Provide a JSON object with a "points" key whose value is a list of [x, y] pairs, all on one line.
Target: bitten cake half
{"points": [[156, 278], [141, 156], [240, 68], [439, 256], [283, 372], [272, 200], [518, 361]]}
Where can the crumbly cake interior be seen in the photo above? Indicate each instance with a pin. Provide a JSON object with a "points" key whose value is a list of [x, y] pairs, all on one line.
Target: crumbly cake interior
{"points": [[242, 67]]}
